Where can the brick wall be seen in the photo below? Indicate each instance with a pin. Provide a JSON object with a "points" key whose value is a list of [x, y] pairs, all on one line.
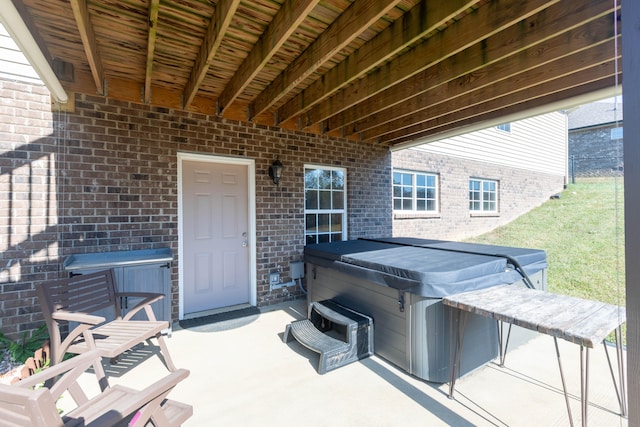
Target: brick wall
{"points": [[594, 153], [104, 178], [28, 214], [519, 191]]}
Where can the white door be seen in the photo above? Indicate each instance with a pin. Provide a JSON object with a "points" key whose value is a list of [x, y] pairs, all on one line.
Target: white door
{"points": [[215, 232]]}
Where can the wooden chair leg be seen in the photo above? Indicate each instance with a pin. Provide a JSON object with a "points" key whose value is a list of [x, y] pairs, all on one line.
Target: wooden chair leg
{"points": [[165, 353]]}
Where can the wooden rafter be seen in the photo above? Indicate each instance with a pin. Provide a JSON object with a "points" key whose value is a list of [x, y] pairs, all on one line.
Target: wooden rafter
{"points": [[418, 92], [28, 21], [480, 87], [218, 25], [497, 106], [492, 117], [81, 15], [349, 25], [360, 69], [421, 20], [286, 21], [486, 21], [154, 6]]}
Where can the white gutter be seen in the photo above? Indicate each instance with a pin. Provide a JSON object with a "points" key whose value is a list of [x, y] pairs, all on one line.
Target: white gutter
{"points": [[18, 30]]}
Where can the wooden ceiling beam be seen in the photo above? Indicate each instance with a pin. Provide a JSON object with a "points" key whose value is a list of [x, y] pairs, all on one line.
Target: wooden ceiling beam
{"points": [[284, 23], [418, 22], [559, 50], [492, 117], [465, 93], [489, 19], [33, 29], [220, 21], [498, 101], [89, 43], [154, 7], [350, 24], [532, 34]]}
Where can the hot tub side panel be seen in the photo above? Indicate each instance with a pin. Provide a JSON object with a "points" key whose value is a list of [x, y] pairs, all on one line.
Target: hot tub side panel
{"points": [[371, 299], [416, 339], [431, 336]]}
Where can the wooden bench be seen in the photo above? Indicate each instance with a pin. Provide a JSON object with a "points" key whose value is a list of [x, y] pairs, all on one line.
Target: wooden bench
{"points": [[27, 404], [75, 301], [580, 321]]}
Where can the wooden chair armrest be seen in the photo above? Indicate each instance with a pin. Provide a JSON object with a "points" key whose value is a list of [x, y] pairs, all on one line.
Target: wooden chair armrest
{"points": [[154, 295], [70, 370], [85, 322], [151, 397], [77, 317], [148, 299]]}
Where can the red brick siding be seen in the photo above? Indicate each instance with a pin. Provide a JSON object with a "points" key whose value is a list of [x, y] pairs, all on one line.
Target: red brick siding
{"points": [[519, 191], [104, 178], [28, 215]]}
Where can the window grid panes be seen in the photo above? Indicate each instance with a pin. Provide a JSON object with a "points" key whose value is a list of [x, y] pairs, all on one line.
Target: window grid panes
{"points": [[325, 213], [505, 127], [415, 192], [483, 195]]}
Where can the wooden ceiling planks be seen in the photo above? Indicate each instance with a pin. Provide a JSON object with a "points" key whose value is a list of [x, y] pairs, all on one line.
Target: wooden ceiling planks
{"points": [[359, 16], [385, 71], [500, 48]]}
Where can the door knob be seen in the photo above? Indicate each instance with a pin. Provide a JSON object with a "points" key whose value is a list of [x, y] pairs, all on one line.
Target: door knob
{"points": [[244, 244]]}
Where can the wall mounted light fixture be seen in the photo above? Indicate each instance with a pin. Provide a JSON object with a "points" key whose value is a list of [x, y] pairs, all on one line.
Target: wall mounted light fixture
{"points": [[275, 171]]}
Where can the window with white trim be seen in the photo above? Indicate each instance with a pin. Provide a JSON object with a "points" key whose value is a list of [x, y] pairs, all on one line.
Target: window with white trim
{"points": [[483, 195], [414, 191], [325, 204], [505, 127]]}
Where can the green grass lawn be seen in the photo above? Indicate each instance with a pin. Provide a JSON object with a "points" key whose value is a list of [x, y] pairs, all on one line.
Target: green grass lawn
{"points": [[583, 235]]}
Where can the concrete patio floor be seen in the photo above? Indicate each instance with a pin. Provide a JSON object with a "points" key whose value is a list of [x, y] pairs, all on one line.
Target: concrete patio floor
{"points": [[242, 374]]}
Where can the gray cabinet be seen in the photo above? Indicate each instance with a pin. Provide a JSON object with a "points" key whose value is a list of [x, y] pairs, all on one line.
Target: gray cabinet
{"points": [[135, 271]]}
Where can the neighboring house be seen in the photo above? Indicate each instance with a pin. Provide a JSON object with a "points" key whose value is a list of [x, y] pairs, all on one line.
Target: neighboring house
{"points": [[595, 139], [467, 185]]}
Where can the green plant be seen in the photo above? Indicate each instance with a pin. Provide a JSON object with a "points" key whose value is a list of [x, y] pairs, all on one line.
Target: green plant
{"points": [[583, 235], [21, 349]]}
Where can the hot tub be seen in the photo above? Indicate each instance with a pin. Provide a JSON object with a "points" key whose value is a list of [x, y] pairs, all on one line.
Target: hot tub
{"points": [[400, 282]]}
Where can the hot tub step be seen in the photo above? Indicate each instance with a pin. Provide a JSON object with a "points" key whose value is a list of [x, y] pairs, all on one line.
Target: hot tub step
{"points": [[356, 328]]}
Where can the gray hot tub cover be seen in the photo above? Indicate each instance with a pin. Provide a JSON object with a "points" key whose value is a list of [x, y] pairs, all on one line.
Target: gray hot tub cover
{"points": [[430, 268]]}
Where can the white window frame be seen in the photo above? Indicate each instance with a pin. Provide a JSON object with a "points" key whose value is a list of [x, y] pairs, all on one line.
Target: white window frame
{"points": [[482, 192], [414, 190], [504, 127], [330, 211]]}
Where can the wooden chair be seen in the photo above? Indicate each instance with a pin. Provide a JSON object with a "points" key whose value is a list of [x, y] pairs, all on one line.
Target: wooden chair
{"points": [[27, 404], [78, 298]]}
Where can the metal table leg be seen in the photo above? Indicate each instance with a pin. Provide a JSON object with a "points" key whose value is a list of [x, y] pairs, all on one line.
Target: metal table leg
{"points": [[455, 345], [503, 344], [621, 391], [564, 384], [584, 382]]}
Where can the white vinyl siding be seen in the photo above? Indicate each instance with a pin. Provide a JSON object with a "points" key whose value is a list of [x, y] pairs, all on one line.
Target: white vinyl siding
{"points": [[537, 144], [13, 64]]}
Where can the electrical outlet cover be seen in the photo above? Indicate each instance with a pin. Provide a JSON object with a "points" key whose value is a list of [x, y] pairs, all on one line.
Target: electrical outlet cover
{"points": [[274, 278]]}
